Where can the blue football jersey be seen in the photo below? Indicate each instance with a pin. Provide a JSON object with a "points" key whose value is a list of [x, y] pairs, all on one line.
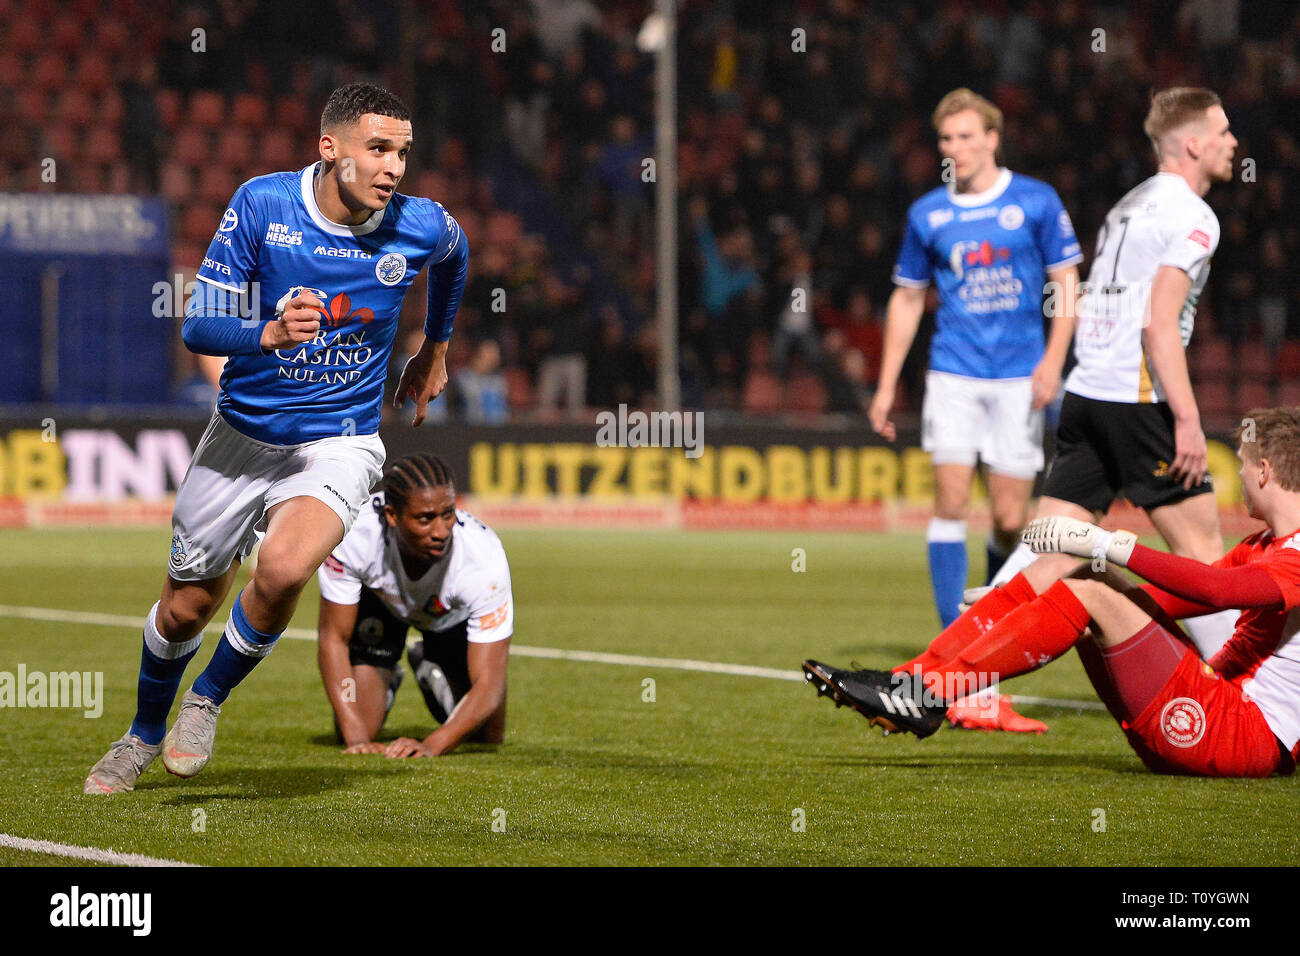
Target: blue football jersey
{"points": [[989, 254], [274, 242]]}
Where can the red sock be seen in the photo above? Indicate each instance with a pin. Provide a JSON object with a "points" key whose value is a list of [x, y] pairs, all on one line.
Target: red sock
{"points": [[1024, 640], [973, 625]]}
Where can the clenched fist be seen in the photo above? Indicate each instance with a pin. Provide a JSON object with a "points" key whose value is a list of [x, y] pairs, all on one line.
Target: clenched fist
{"points": [[297, 323]]}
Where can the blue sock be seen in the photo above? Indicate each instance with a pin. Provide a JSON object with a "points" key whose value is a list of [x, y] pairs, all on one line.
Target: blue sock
{"points": [[241, 647], [162, 664], [947, 546], [997, 558]]}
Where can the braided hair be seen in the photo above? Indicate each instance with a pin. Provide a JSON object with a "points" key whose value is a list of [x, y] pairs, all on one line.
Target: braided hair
{"points": [[422, 470]]}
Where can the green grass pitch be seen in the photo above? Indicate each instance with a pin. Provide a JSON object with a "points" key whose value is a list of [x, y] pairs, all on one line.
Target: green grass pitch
{"points": [[718, 769]]}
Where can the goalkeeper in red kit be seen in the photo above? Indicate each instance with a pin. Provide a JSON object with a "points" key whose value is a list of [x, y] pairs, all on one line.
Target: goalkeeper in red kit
{"points": [[1235, 715]]}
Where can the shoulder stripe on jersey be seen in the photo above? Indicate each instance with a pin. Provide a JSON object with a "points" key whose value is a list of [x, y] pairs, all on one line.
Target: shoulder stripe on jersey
{"points": [[452, 247], [911, 283], [221, 285]]}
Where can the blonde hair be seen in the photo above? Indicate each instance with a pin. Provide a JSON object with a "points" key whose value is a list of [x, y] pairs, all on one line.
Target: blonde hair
{"points": [[1276, 434], [963, 99], [1174, 108]]}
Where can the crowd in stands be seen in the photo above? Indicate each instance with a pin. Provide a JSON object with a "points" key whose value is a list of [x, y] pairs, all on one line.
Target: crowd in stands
{"points": [[803, 136]]}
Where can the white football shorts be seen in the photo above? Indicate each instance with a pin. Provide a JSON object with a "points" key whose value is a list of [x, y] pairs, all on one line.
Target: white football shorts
{"points": [[963, 419], [233, 480]]}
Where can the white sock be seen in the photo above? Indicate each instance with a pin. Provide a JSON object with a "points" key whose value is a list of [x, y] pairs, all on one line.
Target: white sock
{"points": [[1016, 562], [1211, 632]]}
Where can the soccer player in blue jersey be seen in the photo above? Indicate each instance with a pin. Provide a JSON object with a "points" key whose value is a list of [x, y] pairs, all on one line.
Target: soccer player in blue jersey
{"points": [[994, 242], [293, 446]]}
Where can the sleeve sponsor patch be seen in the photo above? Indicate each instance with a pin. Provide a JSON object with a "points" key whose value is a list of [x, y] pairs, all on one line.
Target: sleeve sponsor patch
{"points": [[1200, 237], [333, 564], [495, 618]]}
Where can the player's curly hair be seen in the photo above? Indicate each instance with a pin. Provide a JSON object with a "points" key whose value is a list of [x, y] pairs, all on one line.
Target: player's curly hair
{"points": [[421, 470], [1274, 433], [349, 103]]}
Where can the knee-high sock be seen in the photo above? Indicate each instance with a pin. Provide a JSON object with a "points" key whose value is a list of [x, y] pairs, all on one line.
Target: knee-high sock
{"points": [[241, 648], [162, 663], [1015, 562], [974, 624], [1026, 639], [947, 548]]}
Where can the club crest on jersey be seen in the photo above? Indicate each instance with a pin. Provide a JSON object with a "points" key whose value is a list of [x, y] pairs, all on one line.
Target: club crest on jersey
{"points": [[1183, 722], [178, 552], [390, 269], [1011, 217]]}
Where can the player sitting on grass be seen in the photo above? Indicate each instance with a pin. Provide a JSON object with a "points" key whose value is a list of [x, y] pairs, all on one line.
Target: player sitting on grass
{"points": [[1237, 715], [293, 447], [413, 560]]}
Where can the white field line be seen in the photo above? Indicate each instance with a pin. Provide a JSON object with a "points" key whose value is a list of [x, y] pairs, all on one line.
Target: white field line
{"points": [[60, 616], [90, 853]]}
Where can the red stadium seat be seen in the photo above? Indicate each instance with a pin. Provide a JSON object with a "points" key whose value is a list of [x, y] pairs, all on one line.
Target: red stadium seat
{"points": [[234, 146], [250, 110], [170, 107], [199, 223], [94, 74], [762, 393], [1255, 361], [103, 145], [111, 108], [1288, 360], [292, 115], [1209, 358], [50, 71], [74, 106], [25, 35], [112, 36], [191, 147], [12, 72], [206, 109], [32, 104], [1254, 394], [188, 255], [1289, 393], [805, 393], [504, 229], [519, 388], [216, 184], [275, 150], [175, 183], [62, 142], [1214, 399]]}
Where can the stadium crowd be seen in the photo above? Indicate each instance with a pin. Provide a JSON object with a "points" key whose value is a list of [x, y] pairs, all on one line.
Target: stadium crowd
{"points": [[803, 136]]}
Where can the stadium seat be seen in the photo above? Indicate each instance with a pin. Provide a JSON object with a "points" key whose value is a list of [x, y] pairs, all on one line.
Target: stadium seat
{"points": [[50, 71], [112, 37], [762, 393], [250, 110], [1255, 361], [169, 107], [1289, 393], [292, 115], [74, 106], [175, 183], [1209, 358], [30, 103], [199, 223], [1288, 360], [275, 150], [24, 34], [191, 146], [206, 109], [806, 394], [111, 108], [12, 72], [188, 255], [216, 184], [94, 74], [519, 388], [234, 146], [504, 229], [1214, 399], [1254, 395], [103, 145], [62, 142]]}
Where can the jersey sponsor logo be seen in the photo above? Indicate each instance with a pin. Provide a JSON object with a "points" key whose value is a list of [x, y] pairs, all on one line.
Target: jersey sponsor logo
{"points": [[1200, 237], [278, 234], [215, 266], [1183, 722], [333, 564], [229, 220], [494, 619], [390, 269], [336, 253], [939, 217], [1011, 217], [1063, 220], [970, 215]]}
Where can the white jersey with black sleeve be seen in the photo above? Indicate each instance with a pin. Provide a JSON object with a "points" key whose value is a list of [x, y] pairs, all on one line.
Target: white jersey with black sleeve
{"points": [[470, 583], [1160, 222]]}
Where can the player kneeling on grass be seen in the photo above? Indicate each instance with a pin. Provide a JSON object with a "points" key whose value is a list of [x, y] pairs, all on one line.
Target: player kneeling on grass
{"points": [[413, 560], [1237, 715]]}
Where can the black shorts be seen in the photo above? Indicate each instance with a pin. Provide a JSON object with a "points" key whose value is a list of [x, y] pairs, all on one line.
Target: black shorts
{"points": [[1109, 450], [379, 638]]}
